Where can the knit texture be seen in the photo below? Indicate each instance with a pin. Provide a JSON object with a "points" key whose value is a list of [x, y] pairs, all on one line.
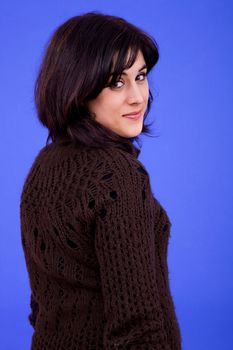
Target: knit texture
{"points": [[95, 243]]}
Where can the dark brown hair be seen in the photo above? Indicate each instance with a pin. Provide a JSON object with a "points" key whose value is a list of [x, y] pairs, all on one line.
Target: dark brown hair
{"points": [[76, 66]]}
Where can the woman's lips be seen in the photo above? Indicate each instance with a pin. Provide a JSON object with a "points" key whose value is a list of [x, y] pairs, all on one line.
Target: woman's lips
{"points": [[133, 115]]}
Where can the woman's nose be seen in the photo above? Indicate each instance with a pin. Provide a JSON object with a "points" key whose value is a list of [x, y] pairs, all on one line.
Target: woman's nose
{"points": [[135, 94]]}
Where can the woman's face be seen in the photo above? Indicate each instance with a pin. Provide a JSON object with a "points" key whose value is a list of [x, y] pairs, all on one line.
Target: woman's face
{"points": [[121, 107]]}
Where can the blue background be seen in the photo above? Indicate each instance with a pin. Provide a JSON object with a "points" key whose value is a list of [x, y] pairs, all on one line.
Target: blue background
{"points": [[190, 163]]}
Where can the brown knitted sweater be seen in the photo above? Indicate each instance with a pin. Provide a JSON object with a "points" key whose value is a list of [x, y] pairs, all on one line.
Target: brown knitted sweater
{"points": [[95, 242]]}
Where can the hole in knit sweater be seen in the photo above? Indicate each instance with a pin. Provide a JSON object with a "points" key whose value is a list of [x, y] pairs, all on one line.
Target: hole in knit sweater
{"points": [[107, 176], [91, 204], [36, 232], [71, 244], [42, 246], [113, 194], [55, 231], [71, 227]]}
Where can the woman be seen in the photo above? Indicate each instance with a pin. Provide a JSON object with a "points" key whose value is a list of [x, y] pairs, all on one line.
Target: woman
{"points": [[94, 237]]}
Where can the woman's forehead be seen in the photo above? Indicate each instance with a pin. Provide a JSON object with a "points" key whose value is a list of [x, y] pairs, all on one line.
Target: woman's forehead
{"points": [[132, 60]]}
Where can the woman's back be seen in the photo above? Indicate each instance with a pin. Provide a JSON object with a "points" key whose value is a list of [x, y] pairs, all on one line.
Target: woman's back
{"points": [[95, 242]]}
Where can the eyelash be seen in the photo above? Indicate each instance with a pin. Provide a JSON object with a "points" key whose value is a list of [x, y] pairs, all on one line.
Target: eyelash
{"points": [[144, 75]]}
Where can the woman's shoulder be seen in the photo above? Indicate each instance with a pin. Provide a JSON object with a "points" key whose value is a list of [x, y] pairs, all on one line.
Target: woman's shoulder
{"points": [[125, 163], [57, 153], [119, 170], [68, 172], [86, 166]]}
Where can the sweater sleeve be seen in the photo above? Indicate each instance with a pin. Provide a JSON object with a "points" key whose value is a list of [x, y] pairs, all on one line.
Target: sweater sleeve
{"points": [[123, 233]]}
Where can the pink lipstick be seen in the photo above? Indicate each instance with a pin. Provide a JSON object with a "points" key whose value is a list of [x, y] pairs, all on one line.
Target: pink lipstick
{"points": [[134, 115]]}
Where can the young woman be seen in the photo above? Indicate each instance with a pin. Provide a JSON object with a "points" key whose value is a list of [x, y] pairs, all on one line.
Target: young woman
{"points": [[94, 236]]}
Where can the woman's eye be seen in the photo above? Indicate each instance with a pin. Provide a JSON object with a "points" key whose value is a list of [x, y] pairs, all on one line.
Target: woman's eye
{"points": [[117, 84], [142, 76]]}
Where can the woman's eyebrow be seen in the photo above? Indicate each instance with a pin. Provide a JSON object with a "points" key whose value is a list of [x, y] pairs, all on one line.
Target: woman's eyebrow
{"points": [[143, 67]]}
